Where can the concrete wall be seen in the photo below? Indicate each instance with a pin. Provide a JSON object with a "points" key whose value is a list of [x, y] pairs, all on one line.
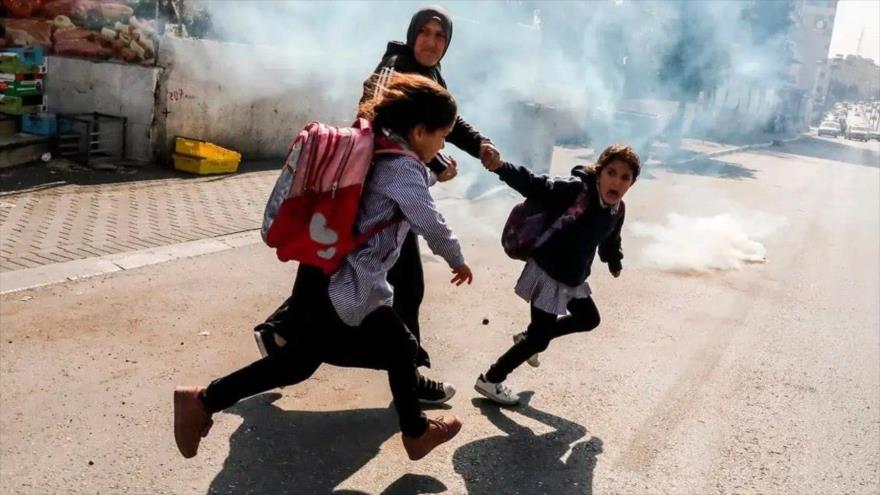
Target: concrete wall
{"points": [[84, 86], [252, 99], [244, 97]]}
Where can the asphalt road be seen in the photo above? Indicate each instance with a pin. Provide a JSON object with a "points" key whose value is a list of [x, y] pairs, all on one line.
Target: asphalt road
{"points": [[762, 377]]}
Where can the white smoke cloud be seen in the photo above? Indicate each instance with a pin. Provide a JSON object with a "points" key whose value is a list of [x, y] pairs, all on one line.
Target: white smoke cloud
{"points": [[725, 241], [582, 58]]}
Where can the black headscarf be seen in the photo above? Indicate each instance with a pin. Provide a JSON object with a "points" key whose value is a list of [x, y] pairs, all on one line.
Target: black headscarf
{"points": [[422, 17]]}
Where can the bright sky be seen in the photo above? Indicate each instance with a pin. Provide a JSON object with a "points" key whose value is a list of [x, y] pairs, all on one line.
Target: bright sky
{"points": [[852, 15]]}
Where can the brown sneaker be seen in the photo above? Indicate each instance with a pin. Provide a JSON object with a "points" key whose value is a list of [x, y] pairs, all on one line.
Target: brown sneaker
{"points": [[192, 421], [440, 430]]}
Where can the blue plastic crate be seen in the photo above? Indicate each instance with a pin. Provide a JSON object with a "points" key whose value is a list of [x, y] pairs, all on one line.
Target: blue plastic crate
{"points": [[18, 60], [41, 124]]}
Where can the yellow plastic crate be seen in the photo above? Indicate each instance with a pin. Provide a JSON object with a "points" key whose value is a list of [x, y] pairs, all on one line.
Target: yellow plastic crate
{"points": [[203, 149], [205, 166]]}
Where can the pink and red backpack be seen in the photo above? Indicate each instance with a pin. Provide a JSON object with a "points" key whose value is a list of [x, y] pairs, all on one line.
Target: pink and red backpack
{"points": [[310, 216]]}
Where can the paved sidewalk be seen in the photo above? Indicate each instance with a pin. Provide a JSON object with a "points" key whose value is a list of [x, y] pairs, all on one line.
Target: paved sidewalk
{"points": [[77, 222], [68, 232]]}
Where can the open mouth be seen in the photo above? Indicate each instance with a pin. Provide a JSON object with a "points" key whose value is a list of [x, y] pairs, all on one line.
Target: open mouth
{"points": [[612, 194]]}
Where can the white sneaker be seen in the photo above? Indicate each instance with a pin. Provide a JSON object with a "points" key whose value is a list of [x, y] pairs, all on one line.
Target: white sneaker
{"points": [[533, 361], [497, 392]]}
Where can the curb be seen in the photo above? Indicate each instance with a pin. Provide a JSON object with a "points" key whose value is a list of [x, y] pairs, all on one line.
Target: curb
{"points": [[737, 149], [32, 278], [41, 276]]}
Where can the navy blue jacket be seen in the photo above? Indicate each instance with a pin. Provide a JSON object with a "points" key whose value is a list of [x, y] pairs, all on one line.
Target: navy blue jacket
{"points": [[568, 254]]}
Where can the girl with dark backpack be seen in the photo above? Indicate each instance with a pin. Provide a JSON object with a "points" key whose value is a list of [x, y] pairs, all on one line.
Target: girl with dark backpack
{"points": [[577, 216], [346, 318]]}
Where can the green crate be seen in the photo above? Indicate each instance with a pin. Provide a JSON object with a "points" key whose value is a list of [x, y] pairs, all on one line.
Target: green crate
{"points": [[21, 88], [12, 65], [18, 105]]}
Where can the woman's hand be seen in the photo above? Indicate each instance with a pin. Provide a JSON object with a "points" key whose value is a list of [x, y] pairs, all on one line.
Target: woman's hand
{"points": [[490, 156], [462, 274]]}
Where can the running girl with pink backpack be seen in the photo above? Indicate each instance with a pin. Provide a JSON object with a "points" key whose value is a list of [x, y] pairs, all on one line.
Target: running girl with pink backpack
{"points": [[343, 205]]}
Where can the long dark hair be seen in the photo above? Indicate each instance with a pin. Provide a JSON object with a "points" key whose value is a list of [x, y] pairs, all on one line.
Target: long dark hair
{"points": [[408, 100]]}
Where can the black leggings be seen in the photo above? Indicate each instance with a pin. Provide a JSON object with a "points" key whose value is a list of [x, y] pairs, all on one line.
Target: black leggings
{"points": [[408, 281], [583, 317], [381, 342]]}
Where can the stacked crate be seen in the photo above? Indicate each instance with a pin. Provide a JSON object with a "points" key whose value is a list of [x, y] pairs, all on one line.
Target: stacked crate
{"points": [[21, 81]]}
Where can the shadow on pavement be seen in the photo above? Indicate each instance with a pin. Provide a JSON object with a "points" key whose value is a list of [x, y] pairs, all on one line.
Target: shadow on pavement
{"points": [[63, 172], [415, 484], [519, 461], [742, 139], [709, 167], [827, 149], [683, 161], [279, 451]]}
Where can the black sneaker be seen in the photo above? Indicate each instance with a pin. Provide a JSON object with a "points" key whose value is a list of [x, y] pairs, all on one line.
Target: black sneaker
{"points": [[268, 342], [432, 392]]}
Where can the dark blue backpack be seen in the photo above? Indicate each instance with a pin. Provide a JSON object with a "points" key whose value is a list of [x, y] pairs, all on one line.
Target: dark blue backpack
{"points": [[529, 225]]}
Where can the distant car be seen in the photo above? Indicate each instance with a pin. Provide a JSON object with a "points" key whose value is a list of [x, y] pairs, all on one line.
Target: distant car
{"points": [[858, 133], [829, 128], [874, 134]]}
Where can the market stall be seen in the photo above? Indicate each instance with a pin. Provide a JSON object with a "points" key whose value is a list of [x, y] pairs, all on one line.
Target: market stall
{"points": [[94, 29], [53, 76]]}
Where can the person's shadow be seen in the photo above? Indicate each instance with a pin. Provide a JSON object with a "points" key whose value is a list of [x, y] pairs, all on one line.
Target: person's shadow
{"points": [[306, 452], [520, 462]]}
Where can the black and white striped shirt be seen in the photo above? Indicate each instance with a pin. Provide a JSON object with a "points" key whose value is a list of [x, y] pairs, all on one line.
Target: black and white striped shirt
{"points": [[397, 188]]}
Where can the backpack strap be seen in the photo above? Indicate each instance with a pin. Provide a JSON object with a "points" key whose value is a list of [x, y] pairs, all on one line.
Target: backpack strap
{"points": [[409, 153], [387, 146], [571, 214], [375, 229], [390, 149]]}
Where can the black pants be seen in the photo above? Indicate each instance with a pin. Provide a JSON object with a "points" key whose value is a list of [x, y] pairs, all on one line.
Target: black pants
{"points": [[408, 281], [583, 317], [381, 342]]}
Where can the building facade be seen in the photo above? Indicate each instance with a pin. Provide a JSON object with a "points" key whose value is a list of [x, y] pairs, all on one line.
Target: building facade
{"points": [[853, 78], [810, 39]]}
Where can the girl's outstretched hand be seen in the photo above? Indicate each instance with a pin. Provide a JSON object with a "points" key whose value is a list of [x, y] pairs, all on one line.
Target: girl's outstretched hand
{"points": [[462, 274], [450, 172]]}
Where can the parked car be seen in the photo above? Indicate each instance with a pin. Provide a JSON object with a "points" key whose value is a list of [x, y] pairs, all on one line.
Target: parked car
{"points": [[858, 133], [829, 128], [875, 134]]}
